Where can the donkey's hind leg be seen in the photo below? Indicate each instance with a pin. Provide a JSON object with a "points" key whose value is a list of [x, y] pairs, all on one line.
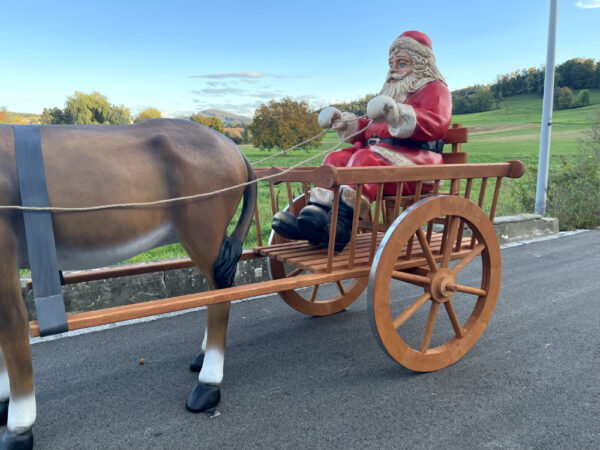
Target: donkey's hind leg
{"points": [[196, 364], [207, 393], [14, 342]]}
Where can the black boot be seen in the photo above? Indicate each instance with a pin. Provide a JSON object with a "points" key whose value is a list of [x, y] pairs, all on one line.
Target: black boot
{"points": [[314, 223], [343, 230], [286, 225]]}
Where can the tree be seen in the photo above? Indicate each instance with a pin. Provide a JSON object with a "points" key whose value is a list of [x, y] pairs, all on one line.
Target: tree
{"points": [[3, 114], [582, 99], [284, 124], [212, 122], [52, 116], [563, 98], [94, 108], [147, 114], [358, 107]]}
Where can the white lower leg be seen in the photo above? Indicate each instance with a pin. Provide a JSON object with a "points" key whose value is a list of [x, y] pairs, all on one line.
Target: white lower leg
{"points": [[4, 383], [212, 368], [204, 340], [21, 413]]}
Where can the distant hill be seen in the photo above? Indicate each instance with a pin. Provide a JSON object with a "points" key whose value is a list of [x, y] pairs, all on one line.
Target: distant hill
{"points": [[226, 117]]}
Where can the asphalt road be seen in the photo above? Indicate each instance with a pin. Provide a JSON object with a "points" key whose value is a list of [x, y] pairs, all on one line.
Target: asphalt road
{"points": [[291, 381]]}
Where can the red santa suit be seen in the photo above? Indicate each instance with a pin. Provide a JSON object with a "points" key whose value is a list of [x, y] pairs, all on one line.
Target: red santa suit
{"points": [[432, 106]]}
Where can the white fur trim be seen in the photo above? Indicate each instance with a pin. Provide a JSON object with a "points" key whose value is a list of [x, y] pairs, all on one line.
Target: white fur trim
{"points": [[396, 158], [351, 126], [21, 413], [349, 198], [409, 43], [321, 196], [407, 122], [383, 107], [212, 367], [326, 116]]}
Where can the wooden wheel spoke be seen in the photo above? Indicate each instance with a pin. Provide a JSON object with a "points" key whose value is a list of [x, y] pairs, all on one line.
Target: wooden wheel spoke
{"points": [[408, 312], [418, 280], [341, 287], [467, 259], [427, 250], [454, 319], [466, 289], [451, 238], [313, 295], [429, 327]]}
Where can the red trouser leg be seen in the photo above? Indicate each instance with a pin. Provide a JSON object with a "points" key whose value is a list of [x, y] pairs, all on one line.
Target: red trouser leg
{"points": [[366, 158], [339, 158]]}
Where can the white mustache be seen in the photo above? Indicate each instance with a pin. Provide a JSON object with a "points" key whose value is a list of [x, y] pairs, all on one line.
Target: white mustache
{"points": [[395, 77]]}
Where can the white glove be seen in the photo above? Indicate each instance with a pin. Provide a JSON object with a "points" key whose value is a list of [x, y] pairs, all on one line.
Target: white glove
{"points": [[400, 117], [383, 109], [331, 117]]}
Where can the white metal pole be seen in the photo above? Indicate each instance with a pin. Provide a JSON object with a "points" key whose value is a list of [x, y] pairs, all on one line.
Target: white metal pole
{"points": [[544, 156]]}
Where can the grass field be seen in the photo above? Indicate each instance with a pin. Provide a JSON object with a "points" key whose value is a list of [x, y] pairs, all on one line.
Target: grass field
{"points": [[508, 133]]}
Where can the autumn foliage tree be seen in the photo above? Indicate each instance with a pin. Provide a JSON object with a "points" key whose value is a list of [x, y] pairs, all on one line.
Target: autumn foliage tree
{"points": [[212, 122], [284, 124], [147, 114]]}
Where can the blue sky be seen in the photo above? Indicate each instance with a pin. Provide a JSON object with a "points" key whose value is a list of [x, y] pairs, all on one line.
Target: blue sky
{"points": [[185, 56]]}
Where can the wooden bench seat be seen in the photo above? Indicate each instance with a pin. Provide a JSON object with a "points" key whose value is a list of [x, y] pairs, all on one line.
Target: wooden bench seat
{"points": [[308, 257]]}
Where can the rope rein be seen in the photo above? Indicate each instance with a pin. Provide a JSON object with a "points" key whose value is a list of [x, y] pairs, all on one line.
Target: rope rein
{"points": [[195, 196]]}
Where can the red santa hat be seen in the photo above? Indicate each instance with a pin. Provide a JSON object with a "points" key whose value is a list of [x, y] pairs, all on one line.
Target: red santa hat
{"points": [[413, 40]]}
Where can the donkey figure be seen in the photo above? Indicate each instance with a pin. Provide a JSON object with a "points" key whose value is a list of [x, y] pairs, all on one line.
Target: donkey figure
{"points": [[99, 165]]}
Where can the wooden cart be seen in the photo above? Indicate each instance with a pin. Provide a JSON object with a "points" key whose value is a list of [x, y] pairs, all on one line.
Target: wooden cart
{"points": [[441, 245]]}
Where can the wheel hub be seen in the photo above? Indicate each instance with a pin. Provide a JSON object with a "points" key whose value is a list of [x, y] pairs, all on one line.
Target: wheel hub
{"points": [[441, 285]]}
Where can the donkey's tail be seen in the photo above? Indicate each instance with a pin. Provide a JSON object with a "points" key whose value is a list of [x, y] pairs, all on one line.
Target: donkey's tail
{"points": [[232, 246]]}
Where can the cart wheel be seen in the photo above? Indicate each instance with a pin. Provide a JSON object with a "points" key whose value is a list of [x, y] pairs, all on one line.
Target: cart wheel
{"points": [[466, 283], [312, 300]]}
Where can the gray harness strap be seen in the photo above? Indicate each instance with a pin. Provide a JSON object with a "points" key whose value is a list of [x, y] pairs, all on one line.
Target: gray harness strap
{"points": [[41, 247]]}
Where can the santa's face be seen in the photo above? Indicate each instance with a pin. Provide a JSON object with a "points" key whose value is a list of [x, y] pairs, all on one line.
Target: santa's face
{"points": [[401, 65]]}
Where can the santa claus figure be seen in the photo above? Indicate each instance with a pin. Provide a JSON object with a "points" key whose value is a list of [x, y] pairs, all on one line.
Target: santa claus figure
{"points": [[411, 117]]}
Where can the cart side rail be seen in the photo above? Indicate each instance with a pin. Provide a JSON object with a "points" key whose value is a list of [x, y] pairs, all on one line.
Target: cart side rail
{"points": [[447, 179]]}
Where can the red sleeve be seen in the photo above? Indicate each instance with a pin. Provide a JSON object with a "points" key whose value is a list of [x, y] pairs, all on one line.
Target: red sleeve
{"points": [[433, 110]]}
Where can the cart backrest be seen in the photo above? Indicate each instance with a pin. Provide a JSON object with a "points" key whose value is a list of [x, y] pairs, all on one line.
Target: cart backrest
{"points": [[456, 136]]}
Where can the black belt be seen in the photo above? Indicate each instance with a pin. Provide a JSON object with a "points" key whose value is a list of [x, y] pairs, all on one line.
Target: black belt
{"points": [[432, 146]]}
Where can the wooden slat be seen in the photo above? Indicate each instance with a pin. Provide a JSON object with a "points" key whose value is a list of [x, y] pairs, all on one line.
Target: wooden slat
{"points": [[393, 174], [455, 158], [333, 226], [355, 220], [495, 199], [458, 135], [136, 269], [257, 226], [128, 312]]}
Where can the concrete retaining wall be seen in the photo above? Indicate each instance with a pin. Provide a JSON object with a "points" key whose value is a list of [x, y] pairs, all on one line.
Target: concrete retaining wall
{"points": [[139, 288]]}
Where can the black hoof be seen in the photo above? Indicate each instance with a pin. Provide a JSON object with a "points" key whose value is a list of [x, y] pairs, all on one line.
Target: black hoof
{"points": [[197, 362], [203, 397], [10, 441], [3, 413]]}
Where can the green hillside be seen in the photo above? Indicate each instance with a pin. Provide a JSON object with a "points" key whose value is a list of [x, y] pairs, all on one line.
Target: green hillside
{"points": [[513, 130]]}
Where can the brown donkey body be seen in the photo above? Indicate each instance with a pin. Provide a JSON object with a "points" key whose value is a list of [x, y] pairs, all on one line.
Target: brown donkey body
{"points": [[89, 166]]}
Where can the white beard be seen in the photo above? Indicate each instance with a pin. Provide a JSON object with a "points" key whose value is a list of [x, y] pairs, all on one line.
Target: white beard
{"points": [[399, 87]]}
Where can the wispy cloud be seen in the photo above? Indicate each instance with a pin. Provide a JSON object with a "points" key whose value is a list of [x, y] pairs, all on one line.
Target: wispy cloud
{"points": [[238, 75], [220, 91], [586, 4]]}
